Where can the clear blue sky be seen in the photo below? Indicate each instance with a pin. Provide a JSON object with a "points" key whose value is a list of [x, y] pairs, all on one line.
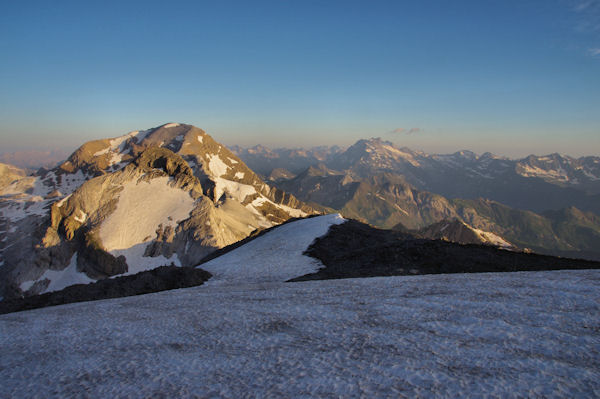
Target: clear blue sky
{"points": [[511, 77]]}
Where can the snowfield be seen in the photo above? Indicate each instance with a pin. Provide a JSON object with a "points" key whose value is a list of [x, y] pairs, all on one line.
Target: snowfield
{"points": [[529, 334], [247, 333], [131, 223], [273, 257], [60, 279]]}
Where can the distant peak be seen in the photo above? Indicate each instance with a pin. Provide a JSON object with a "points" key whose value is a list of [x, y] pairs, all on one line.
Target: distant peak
{"points": [[379, 140], [372, 142], [466, 154], [489, 155]]}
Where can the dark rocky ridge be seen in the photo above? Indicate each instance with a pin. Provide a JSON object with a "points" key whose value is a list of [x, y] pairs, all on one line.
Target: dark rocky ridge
{"points": [[160, 279], [354, 249]]}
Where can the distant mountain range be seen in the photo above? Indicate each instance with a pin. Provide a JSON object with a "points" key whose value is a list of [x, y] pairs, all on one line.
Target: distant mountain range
{"points": [[547, 203], [264, 160], [535, 183], [34, 159]]}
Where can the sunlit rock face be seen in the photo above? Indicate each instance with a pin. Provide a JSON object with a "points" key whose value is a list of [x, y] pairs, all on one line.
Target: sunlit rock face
{"points": [[168, 195]]}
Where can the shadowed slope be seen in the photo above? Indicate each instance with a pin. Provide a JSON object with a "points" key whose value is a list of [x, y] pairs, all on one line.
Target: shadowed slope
{"points": [[353, 249]]}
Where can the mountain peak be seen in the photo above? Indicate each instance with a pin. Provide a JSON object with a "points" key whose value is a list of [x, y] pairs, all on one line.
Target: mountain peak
{"points": [[374, 142], [169, 194]]}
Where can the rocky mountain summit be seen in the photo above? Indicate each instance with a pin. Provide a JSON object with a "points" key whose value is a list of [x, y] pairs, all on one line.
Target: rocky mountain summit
{"points": [[168, 195]]}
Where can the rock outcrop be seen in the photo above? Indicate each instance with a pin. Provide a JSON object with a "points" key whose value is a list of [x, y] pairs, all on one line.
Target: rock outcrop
{"points": [[455, 230]]}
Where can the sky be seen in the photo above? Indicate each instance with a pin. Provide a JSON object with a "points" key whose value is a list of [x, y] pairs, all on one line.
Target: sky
{"points": [[509, 77]]}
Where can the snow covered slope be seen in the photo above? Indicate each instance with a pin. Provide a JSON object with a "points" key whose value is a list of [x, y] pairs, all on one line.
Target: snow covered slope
{"points": [[530, 334], [561, 169], [274, 256]]}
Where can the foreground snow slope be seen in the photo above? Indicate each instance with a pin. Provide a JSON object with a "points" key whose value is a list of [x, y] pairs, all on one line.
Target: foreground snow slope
{"points": [[274, 256], [529, 334]]}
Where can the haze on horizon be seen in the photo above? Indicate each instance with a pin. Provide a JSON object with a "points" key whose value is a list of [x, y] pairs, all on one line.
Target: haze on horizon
{"points": [[511, 77]]}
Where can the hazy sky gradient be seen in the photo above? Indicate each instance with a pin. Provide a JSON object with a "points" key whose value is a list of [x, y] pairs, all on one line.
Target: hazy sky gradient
{"points": [[510, 77]]}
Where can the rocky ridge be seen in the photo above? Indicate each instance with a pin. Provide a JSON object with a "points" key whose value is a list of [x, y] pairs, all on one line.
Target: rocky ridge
{"points": [[354, 249]]}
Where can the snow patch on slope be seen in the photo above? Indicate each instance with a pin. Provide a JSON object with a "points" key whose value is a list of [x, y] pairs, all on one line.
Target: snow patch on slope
{"points": [[115, 158], [236, 190], [141, 134], [102, 152], [141, 208], [293, 212], [216, 165], [81, 217], [117, 145], [119, 142], [62, 201], [404, 155], [137, 262], [275, 256], [60, 279], [551, 174], [18, 209], [491, 238], [258, 202]]}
